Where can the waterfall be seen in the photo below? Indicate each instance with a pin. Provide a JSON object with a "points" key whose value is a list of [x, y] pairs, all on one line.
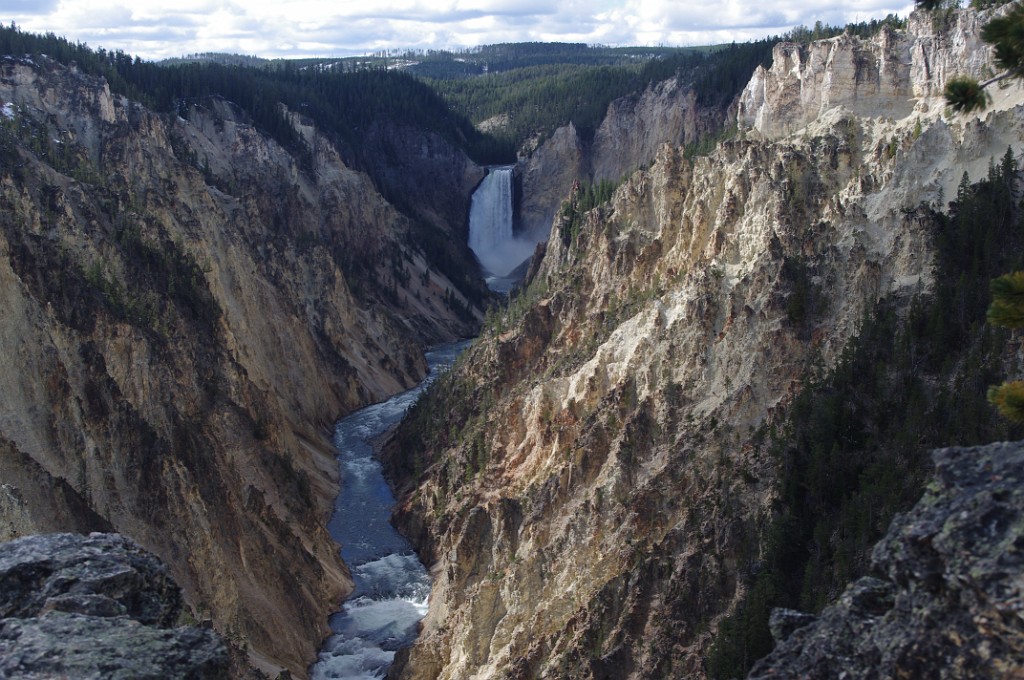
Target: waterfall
{"points": [[490, 225]]}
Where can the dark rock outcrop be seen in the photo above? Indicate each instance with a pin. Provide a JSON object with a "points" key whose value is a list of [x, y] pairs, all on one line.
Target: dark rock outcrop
{"points": [[947, 597], [98, 575], [60, 645], [96, 606]]}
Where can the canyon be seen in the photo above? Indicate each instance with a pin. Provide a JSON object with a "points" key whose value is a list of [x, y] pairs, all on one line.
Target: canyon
{"points": [[185, 310], [188, 306]]}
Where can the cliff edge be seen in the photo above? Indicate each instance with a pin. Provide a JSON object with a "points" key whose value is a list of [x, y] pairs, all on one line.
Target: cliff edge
{"points": [[95, 607], [946, 594]]}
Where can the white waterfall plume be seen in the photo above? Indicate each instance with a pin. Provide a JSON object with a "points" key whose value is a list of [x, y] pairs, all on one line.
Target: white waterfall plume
{"points": [[490, 225]]}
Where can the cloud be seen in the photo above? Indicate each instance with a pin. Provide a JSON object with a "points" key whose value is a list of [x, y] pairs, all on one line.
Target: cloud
{"points": [[161, 28]]}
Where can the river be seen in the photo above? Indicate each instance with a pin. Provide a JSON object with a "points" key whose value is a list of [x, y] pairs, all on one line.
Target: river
{"points": [[391, 585]]}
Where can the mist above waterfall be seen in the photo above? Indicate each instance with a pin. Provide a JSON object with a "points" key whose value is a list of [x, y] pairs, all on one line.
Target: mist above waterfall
{"points": [[490, 225]]}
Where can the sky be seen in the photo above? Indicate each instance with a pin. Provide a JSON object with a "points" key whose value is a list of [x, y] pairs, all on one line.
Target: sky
{"points": [[156, 29]]}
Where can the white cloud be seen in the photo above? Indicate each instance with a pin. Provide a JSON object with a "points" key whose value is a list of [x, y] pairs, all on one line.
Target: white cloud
{"points": [[161, 28]]}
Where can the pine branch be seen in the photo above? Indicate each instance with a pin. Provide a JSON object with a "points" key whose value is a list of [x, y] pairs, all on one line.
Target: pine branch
{"points": [[1007, 308]]}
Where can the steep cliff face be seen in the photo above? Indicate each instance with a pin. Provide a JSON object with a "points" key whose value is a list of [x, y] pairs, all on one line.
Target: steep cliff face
{"points": [[546, 178], [185, 307], [635, 127], [596, 471], [424, 173], [893, 75], [628, 138]]}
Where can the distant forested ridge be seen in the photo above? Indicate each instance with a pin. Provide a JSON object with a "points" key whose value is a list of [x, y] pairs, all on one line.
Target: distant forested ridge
{"points": [[538, 98], [542, 86], [512, 56], [340, 103], [223, 58]]}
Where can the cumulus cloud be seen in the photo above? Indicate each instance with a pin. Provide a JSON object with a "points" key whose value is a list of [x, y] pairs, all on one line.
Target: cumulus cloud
{"points": [[162, 28]]}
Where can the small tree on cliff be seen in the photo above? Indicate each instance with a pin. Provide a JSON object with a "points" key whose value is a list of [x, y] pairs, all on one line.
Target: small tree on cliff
{"points": [[1006, 35], [1007, 310]]}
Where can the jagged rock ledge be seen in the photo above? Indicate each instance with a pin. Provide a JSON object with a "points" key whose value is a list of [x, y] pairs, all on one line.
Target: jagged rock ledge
{"points": [[946, 599], [96, 606]]}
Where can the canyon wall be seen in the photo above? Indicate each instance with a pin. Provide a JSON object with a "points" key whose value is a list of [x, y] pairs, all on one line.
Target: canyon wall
{"points": [[628, 138], [412, 164], [186, 307], [587, 483], [889, 76]]}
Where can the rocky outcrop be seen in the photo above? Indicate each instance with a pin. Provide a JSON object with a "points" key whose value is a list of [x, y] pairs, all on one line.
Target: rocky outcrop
{"points": [[870, 78], [96, 607], [893, 75], [588, 492], [545, 179], [945, 597], [636, 126], [185, 308], [423, 173], [628, 138]]}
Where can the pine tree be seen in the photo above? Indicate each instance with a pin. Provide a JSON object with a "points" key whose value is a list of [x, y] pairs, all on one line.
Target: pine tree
{"points": [[1007, 310], [1006, 35], [1008, 398]]}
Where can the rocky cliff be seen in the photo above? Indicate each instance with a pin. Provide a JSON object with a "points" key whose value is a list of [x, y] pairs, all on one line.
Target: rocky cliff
{"points": [[591, 484], [628, 138], [96, 607], [944, 599], [423, 173], [185, 308], [546, 177], [892, 76]]}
